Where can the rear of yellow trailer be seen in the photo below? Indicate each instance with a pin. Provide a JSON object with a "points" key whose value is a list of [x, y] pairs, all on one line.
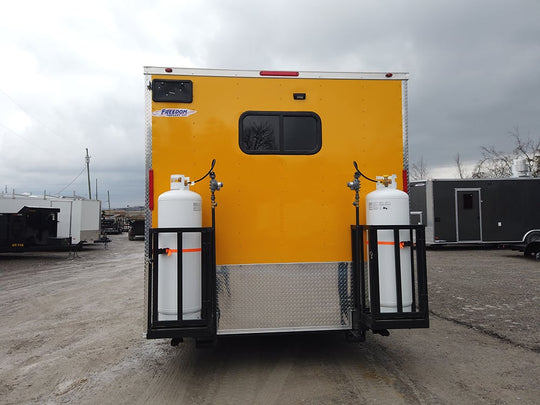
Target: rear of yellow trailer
{"points": [[283, 145]]}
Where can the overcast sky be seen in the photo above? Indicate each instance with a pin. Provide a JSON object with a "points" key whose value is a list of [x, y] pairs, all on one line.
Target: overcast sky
{"points": [[71, 74]]}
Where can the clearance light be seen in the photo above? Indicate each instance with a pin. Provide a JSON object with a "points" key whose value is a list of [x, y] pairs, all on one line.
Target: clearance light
{"points": [[151, 189], [278, 73], [168, 70], [389, 75], [405, 176]]}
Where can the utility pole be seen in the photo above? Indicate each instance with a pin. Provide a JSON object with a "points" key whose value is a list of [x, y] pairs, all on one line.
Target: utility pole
{"points": [[88, 174], [96, 190], [109, 199]]}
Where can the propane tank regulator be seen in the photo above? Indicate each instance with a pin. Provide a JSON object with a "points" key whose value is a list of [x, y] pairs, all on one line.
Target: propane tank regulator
{"points": [[355, 186], [214, 184]]}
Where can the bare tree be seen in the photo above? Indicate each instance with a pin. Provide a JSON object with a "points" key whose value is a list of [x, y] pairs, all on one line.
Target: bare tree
{"points": [[461, 170], [495, 163], [258, 136], [528, 149], [419, 170]]}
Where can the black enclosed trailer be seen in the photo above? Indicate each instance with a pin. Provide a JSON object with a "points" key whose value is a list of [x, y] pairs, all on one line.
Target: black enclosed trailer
{"points": [[110, 224], [136, 228], [31, 229], [478, 211]]}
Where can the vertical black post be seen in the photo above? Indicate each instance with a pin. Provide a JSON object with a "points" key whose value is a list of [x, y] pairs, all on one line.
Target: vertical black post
{"points": [[214, 281], [413, 268], [204, 275], [374, 292], [397, 258], [422, 270], [359, 288], [154, 276], [362, 248], [179, 276], [358, 293]]}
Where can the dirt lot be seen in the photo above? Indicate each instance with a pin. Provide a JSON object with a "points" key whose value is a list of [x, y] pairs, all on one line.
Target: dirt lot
{"points": [[72, 332]]}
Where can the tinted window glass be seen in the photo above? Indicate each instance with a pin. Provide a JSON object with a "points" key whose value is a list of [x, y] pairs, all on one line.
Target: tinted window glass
{"points": [[300, 134], [260, 133], [287, 133], [467, 201]]}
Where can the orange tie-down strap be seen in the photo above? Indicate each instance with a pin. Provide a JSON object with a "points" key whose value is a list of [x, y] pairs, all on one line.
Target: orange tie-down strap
{"points": [[401, 244], [171, 251]]}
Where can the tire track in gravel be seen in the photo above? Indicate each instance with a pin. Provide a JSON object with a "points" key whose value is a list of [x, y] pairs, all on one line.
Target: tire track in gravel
{"points": [[487, 332]]}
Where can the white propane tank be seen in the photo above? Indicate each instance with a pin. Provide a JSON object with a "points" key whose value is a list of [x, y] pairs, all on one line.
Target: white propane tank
{"points": [[389, 206], [179, 208]]}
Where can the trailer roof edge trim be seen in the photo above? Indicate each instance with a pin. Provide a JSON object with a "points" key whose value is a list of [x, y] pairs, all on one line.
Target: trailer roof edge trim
{"points": [[153, 70], [471, 180]]}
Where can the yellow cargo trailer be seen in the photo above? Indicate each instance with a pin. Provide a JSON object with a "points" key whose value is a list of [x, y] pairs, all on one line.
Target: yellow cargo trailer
{"points": [[280, 248]]}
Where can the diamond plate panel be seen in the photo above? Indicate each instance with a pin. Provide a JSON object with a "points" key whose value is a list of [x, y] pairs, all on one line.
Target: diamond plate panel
{"points": [[148, 166], [258, 298]]}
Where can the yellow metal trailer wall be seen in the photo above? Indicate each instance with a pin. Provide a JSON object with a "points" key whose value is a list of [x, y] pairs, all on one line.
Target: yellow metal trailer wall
{"points": [[281, 208]]}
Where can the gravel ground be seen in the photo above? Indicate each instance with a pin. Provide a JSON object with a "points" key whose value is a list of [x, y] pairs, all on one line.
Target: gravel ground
{"points": [[493, 291], [72, 332]]}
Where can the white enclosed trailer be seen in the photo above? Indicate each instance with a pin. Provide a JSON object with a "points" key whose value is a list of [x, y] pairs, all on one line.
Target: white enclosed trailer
{"points": [[79, 218]]}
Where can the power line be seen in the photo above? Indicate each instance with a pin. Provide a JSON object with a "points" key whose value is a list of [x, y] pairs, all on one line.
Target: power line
{"points": [[30, 115], [73, 181], [24, 138]]}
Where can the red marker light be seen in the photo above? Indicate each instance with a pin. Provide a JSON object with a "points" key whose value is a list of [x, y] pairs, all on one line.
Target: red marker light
{"points": [[168, 70], [151, 189], [405, 176], [278, 73], [389, 75]]}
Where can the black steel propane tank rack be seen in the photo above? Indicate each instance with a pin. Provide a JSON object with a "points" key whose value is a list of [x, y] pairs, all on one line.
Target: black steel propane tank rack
{"points": [[366, 278], [177, 329]]}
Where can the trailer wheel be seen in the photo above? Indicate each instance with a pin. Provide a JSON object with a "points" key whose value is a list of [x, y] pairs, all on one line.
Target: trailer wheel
{"points": [[532, 245]]}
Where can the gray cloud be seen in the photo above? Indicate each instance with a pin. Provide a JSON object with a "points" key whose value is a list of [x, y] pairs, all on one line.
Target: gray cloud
{"points": [[74, 78]]}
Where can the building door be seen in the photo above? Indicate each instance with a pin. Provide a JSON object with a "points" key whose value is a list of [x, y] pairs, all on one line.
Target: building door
{"points": [[468, 215]]}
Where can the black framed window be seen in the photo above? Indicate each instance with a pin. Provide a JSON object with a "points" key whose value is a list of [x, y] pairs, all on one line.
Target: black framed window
{"points": [[280, 133], [467, 201]]}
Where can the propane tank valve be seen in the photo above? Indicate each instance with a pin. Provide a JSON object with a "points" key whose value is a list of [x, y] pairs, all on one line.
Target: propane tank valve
{"points": [[386, 181], [214, 186]]}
